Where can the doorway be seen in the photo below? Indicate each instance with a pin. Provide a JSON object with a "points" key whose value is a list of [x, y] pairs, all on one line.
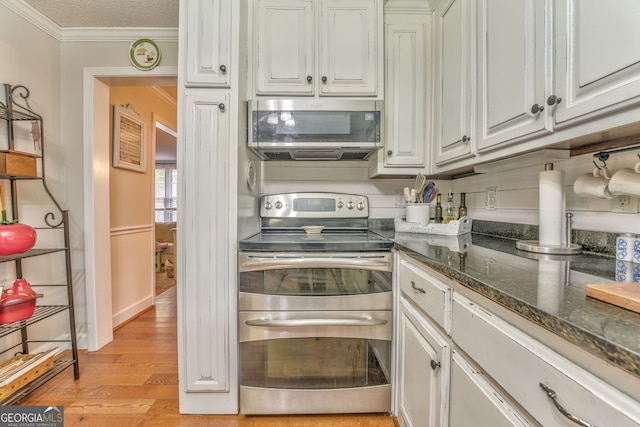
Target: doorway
{"points": [[97, 163]]}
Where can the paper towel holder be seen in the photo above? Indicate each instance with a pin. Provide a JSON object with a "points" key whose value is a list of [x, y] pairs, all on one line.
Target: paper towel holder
{"points": [[566, 249]]}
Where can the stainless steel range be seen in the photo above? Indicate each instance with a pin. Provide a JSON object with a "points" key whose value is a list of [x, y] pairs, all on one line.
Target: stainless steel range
{"points": [[315, 302]]}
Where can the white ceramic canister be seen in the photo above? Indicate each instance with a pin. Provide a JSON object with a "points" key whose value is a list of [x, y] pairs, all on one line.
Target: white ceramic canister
{"points": [[624, 271], [636, 273], [636, 250], [624, 247]]}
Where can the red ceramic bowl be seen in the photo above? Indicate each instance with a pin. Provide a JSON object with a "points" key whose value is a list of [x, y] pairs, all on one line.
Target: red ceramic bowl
{"points": [[16, 238]]}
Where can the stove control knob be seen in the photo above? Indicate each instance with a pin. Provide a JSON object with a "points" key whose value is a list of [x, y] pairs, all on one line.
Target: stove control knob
{"points": [[340, 205], [360, 206], [278, 204], [267, 205], [350, 205]]}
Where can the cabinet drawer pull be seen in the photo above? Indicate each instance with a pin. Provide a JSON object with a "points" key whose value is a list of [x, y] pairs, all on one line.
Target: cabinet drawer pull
{"points": [[552, 395], [434, 365], [421, 290]]}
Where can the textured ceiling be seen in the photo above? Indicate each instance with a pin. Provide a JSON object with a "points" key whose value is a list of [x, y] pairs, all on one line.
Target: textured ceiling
{"points": [[109, 13]]}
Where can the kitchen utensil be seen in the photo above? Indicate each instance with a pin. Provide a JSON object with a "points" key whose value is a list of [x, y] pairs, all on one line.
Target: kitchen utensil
{"points": [[407, 195], [625, 295], [420, 183], [413, 197], [426, 193], [433, 194], [15, 238], [18, 302]]}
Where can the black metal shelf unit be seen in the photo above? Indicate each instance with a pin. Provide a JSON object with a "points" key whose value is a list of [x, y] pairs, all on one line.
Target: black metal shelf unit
{"points": [[16, 109]]}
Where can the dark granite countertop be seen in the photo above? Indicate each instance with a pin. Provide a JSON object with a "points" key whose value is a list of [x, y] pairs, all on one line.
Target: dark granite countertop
{"points": [[547, 290]]}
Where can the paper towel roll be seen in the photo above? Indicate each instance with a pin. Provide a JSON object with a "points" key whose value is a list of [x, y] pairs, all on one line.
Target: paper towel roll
{"points": [[552, 208]]}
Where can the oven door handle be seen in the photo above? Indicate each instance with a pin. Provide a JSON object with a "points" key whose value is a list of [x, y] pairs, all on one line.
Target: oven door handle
{"points": [[282, 323], [254, 264]]}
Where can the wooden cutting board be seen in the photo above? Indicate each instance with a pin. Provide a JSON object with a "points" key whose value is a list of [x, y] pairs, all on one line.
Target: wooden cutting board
{"points": [[625, 295]]}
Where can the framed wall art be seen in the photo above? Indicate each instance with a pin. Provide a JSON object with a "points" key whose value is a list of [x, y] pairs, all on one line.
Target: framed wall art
{"points": [[129, 139]]}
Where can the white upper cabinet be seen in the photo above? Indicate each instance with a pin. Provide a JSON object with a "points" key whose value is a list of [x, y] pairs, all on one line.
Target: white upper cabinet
{"points": [[285, 46], [597, 62], [454, 71], [318, 47], [407, 91], [511, 71], [208, 43]]}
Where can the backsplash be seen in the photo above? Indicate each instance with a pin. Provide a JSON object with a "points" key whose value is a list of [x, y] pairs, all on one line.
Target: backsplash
{"points": [[598, 242]]}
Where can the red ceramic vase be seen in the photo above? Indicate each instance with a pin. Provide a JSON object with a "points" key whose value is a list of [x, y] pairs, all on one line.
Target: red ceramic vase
{"points": [[16, 238]]}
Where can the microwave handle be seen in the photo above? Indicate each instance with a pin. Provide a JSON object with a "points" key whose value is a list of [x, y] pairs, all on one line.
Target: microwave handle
{"points": [[255, 264]]}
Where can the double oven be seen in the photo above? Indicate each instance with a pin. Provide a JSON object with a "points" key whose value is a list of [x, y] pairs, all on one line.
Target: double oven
{"points": [[315, 308]]}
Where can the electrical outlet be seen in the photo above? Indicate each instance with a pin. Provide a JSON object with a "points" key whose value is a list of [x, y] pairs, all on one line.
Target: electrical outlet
{"points": [[625, 204], [491, 202]]}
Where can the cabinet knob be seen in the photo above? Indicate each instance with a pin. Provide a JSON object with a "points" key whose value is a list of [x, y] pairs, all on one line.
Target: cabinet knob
{"points": [[434, 365], [466, 138], [553, 100], [309, 78], [535, 109], [324, 79], [221, 106], [413, 285], [223, 68], [389, 153]]}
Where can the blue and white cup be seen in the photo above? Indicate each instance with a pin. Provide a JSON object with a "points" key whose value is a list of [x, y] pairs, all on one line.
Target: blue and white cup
{"points": [[636, 250], [624, 247], [624, 271]]}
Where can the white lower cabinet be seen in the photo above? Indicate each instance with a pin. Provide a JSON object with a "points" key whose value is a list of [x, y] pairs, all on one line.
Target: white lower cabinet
{"points": [[538, 379], [423, 370], [475, 401], [489, 373]]}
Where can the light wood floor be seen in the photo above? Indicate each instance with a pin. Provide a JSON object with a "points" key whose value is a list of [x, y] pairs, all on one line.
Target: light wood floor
{"points": [[133, 381]]}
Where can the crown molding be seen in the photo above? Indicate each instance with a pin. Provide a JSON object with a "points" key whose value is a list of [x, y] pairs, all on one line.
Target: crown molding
{"points": [[157, 91], [118, 34], [34, 17], [88, 34]]}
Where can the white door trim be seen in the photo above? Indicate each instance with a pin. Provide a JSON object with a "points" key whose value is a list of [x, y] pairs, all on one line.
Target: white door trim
{"points": [[96, 209]]}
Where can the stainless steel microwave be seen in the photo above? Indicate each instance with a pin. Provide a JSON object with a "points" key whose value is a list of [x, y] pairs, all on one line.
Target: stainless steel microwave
{"points": [[315, 129]]}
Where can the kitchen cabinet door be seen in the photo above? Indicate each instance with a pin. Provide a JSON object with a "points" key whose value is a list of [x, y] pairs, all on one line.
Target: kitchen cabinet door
{"points": [[423, 356], [406, 92], [511, 71], [476, 402], [349, 42], [285, 60], [595, 71], [524, 367], [324, 47], [205, 359], [454, 71], [207, 47]]}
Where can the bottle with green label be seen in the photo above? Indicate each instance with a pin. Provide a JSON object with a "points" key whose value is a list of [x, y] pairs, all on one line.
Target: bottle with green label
{"points": [[438, 214], [462, 209]]}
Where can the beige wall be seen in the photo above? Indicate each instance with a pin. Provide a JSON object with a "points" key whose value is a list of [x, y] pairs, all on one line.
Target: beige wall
{"points": [[131, 209]]}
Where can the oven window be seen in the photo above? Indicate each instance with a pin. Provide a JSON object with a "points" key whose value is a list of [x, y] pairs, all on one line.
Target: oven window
{"points": [[315, 282], [315, 363]]}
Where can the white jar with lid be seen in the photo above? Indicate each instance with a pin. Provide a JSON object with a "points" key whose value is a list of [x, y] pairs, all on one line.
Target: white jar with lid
{"points": [[624, 247]]}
